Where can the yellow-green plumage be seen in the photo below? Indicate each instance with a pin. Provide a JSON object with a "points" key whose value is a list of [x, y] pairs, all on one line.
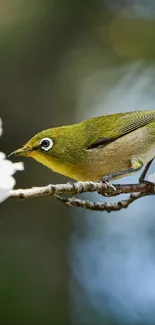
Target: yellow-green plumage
{"points": [[97, 147]]}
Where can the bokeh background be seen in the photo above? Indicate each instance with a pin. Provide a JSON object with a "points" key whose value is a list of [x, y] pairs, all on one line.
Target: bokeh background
{"points": [[61, 62]]}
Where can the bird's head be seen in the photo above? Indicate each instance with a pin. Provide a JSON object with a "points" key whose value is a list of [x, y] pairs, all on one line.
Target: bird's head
{"points": [[41, 144], [51, 147]]}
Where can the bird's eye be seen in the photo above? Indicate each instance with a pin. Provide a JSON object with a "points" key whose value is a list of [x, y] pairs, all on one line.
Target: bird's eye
{"points": [[46, 144]]}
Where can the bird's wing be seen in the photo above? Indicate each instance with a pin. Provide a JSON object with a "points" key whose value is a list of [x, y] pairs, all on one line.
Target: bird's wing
{"points": [[116, 126]]}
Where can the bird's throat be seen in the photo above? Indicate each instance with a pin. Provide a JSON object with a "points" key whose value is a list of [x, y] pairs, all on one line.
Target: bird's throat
{"points": [[53, 164]]}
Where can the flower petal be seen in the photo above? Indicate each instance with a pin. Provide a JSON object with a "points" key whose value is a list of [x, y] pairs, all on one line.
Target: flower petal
{"points": [[4, 194], [6, 167], [18, 166], [7, 181], [2, 156]]}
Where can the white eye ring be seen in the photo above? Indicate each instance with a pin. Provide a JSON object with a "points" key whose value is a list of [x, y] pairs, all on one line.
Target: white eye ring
{"points": [[46, 144]]}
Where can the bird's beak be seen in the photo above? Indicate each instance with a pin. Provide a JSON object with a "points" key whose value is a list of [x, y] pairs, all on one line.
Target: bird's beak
{"points": [[20, 152]]}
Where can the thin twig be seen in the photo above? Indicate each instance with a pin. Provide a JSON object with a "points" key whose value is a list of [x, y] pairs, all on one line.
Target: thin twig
{"points": [[99, 206]]}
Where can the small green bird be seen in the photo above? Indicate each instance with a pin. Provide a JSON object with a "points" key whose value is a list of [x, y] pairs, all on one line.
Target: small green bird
{"points": [[111, 145]]}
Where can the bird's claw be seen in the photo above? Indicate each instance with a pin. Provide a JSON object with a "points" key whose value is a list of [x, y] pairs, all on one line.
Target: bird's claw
{"points": [[107, 183], [145, 181]]}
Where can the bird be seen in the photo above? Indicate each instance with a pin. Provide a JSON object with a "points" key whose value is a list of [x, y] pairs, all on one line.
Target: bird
{"points": [[100, 148]]}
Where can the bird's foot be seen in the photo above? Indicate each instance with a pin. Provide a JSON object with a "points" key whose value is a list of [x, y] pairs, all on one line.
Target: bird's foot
{"points": [[105, 180], [145, 181], [142, 179]]}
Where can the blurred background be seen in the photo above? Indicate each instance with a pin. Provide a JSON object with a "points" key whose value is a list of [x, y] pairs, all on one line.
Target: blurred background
{"points": [[61, 62]]}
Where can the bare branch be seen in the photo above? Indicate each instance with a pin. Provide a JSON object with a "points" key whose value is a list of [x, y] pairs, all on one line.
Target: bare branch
{"points": [[136, 191], [81, 187], [98, 206]]}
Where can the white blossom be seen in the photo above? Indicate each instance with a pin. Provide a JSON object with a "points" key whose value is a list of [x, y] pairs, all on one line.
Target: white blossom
{"points": [[7, 170]]}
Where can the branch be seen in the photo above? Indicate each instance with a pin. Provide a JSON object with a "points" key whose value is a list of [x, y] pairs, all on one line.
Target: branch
{"points": [[81, 187], [98, 206], [141, 190]]}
